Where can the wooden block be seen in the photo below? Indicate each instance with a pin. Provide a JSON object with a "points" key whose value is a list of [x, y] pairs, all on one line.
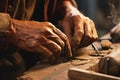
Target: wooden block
{"points": [[80, 74]]}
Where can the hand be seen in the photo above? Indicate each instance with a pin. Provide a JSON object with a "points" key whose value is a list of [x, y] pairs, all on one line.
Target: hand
{"points": [[40, 37], [79, 29]]}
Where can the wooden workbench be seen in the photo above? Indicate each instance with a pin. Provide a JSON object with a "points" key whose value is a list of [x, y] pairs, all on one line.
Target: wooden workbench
{"points": [[45, 71]]}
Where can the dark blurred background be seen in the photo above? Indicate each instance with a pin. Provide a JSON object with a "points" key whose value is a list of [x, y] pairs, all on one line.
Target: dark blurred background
{"points": [[105, 13]]}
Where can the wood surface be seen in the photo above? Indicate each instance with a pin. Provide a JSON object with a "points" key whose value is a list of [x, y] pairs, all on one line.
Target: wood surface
{"points": [[62, 71]]}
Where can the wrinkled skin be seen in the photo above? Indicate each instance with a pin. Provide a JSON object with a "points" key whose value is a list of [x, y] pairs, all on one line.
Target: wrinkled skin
{"points": [[39, 37], [79, 29]]}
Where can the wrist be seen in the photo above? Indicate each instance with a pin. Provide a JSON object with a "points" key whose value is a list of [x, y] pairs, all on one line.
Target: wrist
{"points": [[5, 22], [68, 6]]}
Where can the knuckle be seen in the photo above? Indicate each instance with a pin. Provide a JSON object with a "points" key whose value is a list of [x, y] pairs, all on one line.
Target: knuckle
{"points": [[87, 18], [50, 25], [77, 17], [54, 46], [47, 33], [91, 22], [80, 33]]}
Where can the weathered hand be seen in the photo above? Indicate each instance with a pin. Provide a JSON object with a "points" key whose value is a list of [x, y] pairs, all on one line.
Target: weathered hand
{"points": [[79, 29], [39, 37]]}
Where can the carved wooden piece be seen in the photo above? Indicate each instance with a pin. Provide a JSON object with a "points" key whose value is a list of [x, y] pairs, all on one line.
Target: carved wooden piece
{"points": [[80, 74]]}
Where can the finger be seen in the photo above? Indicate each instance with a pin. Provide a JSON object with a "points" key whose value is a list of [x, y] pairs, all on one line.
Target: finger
{"points": [[40, 49], [85, 42], [87, 39], [54, 40], [78, 32], [90, 33], [94, 32], [46, 53], [87, 28], [67, 48], [54, 37], [51, 45], [35, 45]]}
